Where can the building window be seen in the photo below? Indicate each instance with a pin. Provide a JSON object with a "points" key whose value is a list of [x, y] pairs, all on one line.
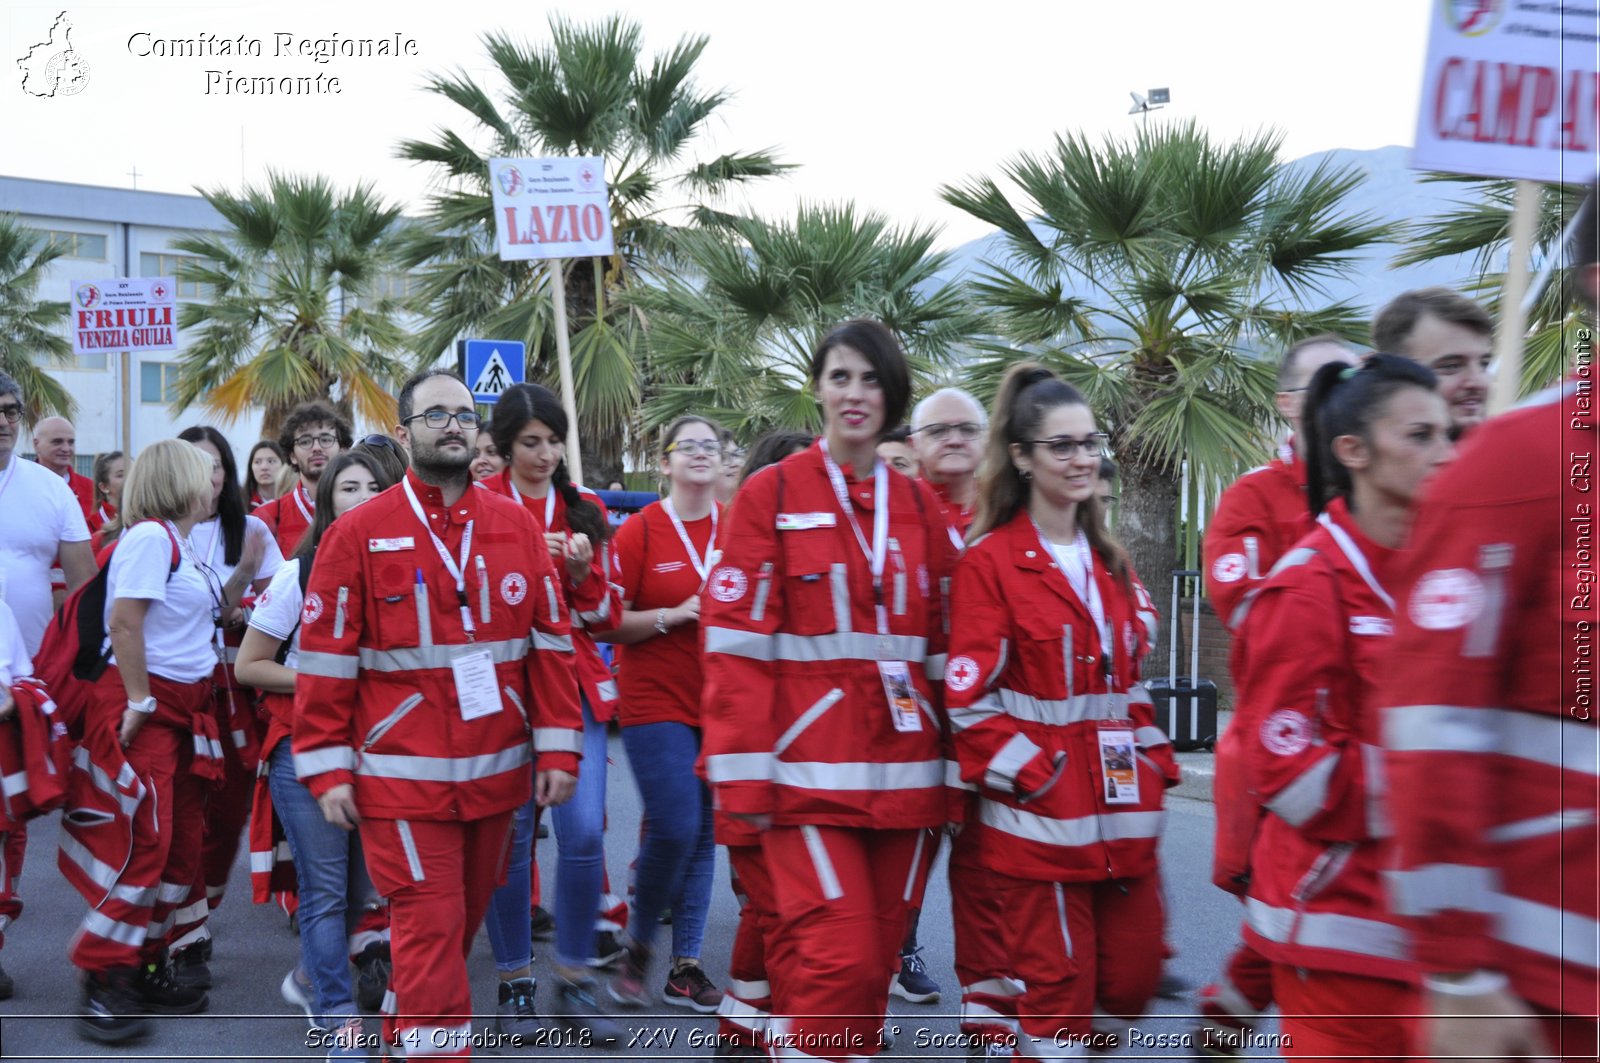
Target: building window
{"points": [[158, 383], [91, 360], [72, 245], [163, 265], [396, 285]]}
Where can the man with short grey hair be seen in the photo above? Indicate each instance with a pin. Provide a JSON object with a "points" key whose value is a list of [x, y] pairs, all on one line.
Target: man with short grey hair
{"points": [[947, 432]]}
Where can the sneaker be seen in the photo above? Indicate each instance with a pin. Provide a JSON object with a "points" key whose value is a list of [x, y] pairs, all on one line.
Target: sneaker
{"points": [[913, 983], [349, 1040], [1172, 987], [627, 985], [296, 989], [156, 990], [608, 949], [688, 987], [578, 1009], [1226, 1021], [666, 916], [515, 1015], [7, 986], [373, 967], [542, 923], [191, 965], [109, 1013]]}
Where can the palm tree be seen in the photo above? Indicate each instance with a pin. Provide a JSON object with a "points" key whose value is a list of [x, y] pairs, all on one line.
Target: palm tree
{"points": [[589, 91], [731, 334], [1480, 226], [297, 308], [30, 328], [1150, 271]]}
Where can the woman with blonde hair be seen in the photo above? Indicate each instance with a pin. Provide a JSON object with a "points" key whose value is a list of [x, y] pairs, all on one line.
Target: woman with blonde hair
{"points": [[148, 728]]}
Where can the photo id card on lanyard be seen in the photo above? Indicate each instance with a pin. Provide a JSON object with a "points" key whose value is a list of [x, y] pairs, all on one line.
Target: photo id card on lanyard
{"points": [[1119, 767]]}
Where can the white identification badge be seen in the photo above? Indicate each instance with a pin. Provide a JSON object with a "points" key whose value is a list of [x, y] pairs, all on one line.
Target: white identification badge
{"points": [[902, 696], [379, 546], [805, 521], [477, 686], [1119, 768]]}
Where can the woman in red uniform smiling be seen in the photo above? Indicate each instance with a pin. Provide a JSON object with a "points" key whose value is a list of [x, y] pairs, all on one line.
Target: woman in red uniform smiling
{"points": [[1051, 725], [823, 630], [1306, 662]]}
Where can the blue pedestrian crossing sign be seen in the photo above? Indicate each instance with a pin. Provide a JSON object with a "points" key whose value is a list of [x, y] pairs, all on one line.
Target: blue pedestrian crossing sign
{"points": [[491, 366]]}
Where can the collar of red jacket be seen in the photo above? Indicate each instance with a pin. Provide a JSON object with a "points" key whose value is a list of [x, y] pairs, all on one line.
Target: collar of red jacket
{"points": [[1379, 558], [432, 500]]}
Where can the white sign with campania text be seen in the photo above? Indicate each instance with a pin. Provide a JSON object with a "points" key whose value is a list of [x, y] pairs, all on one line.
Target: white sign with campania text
{"points": [[1510, 90], [551, 208], [124, 314]]}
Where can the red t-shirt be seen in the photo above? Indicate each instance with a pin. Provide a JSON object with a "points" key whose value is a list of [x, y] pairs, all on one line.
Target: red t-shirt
{"points": [[659, 679], [289, 516]]}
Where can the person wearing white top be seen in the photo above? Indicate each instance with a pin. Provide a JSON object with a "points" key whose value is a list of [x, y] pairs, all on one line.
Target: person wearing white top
{"points": [[39, 519]]}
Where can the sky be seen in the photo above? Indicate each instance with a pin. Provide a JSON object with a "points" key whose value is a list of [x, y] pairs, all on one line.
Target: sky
{"points": [[880, 103]]}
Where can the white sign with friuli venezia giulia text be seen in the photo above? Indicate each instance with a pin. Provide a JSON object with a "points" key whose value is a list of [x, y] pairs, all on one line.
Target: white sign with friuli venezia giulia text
{"points": [[551, 208], [124, 314], [1510, 90]]}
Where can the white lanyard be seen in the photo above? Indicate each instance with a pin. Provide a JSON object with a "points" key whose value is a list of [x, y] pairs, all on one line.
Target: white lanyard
{"points": [[105, 518], [1090, 595], [301, 499], [955, 537], [549, 501], [457, 570], [1358, 560], [878, 552], [702, 565]]}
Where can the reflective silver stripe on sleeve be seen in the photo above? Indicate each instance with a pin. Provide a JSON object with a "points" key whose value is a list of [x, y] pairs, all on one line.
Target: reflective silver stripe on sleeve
{"points": [[504, 651], [899, 594], [318, 761], [999, 662], [807, 718], [409, 844], [1066, 656], [1327, 930], [758, 608], [600, 615], [339, 611], [739, 767], [557, 740], [1376, 786], [738, 643], [952, 777], [1551, 823], [1434, 888], [1494, 560], [1549, 740], [553, 643], [552, 600], [839, 581], [1304, 798], [424, 617], [1565, 936], [1148, 737], [808, 649], [1001, 771], [826, 878], [985, 708], [329, 665], [1053, 711], [867, 775], [1078, 831], [933, 667], [443, 769]]}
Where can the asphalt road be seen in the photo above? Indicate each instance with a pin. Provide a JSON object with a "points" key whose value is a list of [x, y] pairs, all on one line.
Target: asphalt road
{"points": [[254, 948]]}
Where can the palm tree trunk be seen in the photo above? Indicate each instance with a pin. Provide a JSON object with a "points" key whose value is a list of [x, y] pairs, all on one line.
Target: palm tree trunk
{"points": [[1146, 524]]}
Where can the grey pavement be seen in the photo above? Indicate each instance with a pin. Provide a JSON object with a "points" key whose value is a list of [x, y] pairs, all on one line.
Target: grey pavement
{"points": [[254, 948]]}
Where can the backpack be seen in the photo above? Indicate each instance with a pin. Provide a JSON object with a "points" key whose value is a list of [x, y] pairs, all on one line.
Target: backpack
{"points": [[71, 659]]}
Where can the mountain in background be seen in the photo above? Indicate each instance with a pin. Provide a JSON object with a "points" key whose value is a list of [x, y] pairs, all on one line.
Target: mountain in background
{"points": [[1392, 192]]}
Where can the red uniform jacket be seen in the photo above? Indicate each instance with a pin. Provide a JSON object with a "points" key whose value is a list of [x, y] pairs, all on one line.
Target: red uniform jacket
{"points": [[1306, 660], [595, 604], [1488, 709], [959, 519], [1029, 698], [35, 753], [376, 702], [289, 516], [1256, 521], [797, 721]]}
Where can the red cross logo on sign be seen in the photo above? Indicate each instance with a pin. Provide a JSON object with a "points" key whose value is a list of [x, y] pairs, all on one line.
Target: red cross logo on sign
{"points": [[727, 584], [159, 291], [961, 674]]}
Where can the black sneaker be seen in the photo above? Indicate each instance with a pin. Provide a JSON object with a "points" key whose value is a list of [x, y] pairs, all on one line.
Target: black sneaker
{"points": [[627, 986], [577, 1007], [1172, 987], [542, 923], [514, 1013], [608, 949], [688, 987], [109, 1012], [157, 991], [666, 916], [191, 965], [913, 983], [7, 986], [373, 967]]}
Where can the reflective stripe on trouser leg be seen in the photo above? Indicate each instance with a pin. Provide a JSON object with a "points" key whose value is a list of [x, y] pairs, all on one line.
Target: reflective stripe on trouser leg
{"points": [[988, 991], [747, 997]]}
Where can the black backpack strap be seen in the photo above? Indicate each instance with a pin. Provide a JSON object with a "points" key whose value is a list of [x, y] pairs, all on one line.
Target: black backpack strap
{"points": [[303, 575]]}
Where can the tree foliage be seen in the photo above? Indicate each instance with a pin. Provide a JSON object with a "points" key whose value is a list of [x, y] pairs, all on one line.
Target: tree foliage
{"points": [[30, 328]]}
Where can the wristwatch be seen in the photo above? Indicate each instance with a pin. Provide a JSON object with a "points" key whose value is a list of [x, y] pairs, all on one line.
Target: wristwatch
{"points": [[661, 621], [147, 706]]}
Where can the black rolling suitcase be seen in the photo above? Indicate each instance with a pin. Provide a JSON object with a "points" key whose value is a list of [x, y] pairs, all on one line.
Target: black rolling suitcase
{"points": [[1186, 707]]}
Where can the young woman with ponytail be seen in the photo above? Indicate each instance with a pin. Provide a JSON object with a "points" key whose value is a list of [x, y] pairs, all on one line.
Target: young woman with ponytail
{"points": [[530, 431], [1306, 660], [1054, 878]]}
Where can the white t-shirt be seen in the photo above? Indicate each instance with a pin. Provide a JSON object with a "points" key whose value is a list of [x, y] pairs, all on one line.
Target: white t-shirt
{"points": [[1077, 562], [179, 628], [209, 549], [15, 661], [38, 513], [277, 610]]}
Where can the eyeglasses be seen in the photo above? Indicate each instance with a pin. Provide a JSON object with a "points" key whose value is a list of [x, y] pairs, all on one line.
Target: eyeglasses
{"points": [[691, 447], [1107, 500], [379, 442], [325, 441], [12, 414], [939, 431], [442, 418], [1065, 446]]}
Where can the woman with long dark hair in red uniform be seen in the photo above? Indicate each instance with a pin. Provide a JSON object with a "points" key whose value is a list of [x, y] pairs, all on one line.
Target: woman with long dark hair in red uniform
{"points": [[1306, 662], [1052, 727], [823, 628]]}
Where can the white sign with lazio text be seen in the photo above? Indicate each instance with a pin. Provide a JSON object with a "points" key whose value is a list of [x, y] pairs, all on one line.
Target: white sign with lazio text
{"points": [[551, 208], [1510, 89]]}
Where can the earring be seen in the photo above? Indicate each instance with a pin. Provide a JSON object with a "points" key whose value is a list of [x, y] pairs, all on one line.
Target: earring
{"points": [[1025, 474]]}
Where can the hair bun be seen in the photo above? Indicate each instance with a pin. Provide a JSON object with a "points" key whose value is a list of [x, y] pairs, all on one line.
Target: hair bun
{"points": [[1033, 376]]}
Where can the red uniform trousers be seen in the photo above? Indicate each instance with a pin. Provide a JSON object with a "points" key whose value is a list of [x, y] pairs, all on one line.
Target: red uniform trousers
{"points": [[747, 999], [1243, 991], [989, 991], [13, 846], [227, 814], [1351, 1016], [1075, 945], [842, 896], [438, 876], [133, 925]]}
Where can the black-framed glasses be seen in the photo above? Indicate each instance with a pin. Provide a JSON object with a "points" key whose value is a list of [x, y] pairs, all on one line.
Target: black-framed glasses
{"points": [[939, 431], [12, 414], [691, 447], [379, 442], [1066, 446], [325, 440], [440, 419]]}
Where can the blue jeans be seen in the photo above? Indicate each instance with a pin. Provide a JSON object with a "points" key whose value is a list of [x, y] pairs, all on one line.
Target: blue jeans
{"points": [[334, 886], [580, 827], [507, 919], [678, 855]]}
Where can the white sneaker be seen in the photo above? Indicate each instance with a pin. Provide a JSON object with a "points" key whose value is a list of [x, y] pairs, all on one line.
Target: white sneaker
{"points": [[297, 990]]}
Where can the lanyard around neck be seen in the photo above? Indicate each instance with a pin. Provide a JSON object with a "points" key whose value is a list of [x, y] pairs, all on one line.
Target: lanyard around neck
{"points": [[458, 571], [1091, 587], [878, 552], [549, 501], [307, 504], [702, 565], [1358, 560]]}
